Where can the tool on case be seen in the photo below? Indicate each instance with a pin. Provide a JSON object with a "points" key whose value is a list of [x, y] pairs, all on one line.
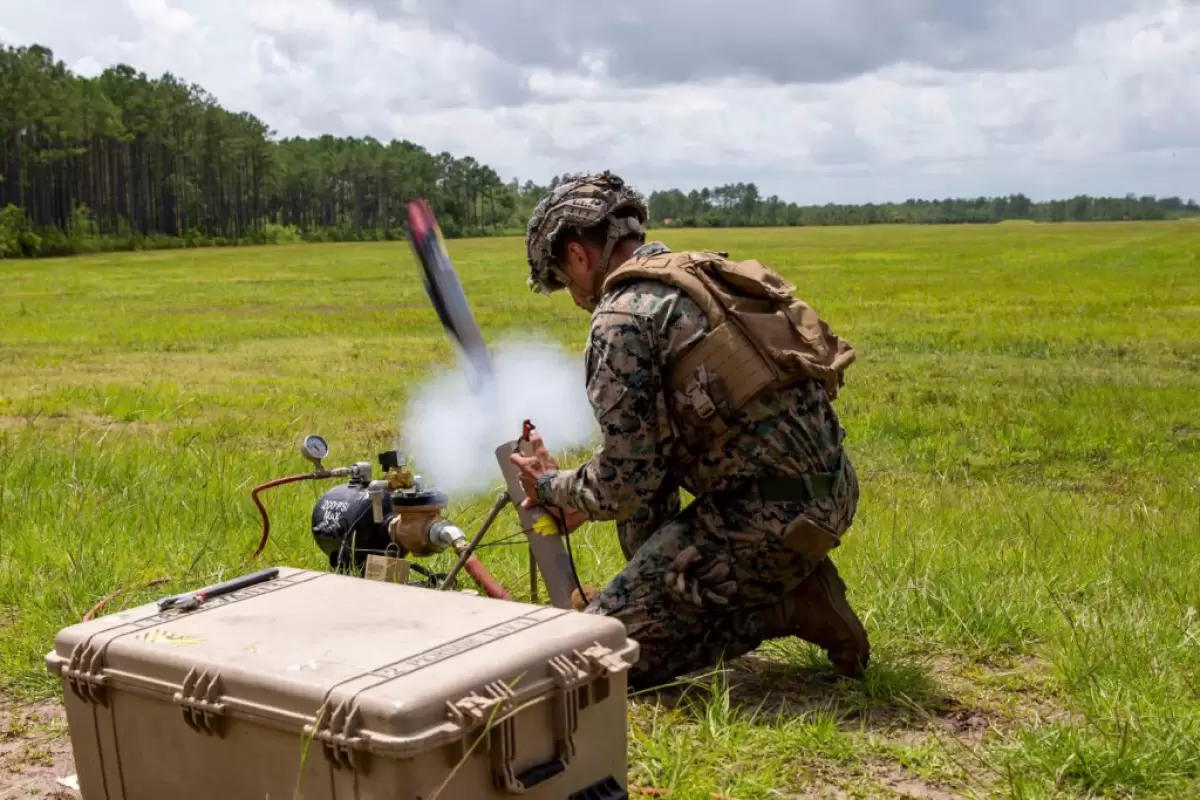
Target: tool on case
{"points": [[192, 600]]}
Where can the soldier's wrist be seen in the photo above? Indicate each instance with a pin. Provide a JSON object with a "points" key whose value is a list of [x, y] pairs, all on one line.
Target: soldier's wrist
{"points": [[543, 486]]}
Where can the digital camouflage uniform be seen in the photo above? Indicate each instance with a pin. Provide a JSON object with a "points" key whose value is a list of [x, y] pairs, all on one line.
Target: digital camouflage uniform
{"points": [[714, 580]]}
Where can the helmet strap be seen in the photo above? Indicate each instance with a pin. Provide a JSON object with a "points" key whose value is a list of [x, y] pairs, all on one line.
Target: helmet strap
{"points": [[617, 228]]}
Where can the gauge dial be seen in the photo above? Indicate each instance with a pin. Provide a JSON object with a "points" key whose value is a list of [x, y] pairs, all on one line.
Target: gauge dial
{"points": [[315, 447]]}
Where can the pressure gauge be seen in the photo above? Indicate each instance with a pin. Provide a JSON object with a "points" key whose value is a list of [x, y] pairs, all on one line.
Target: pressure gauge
{"points": [[314, 448]]}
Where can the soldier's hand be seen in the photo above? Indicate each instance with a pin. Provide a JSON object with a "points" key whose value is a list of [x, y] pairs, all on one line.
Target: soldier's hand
{"points": [[538, 446], [533, 466], [531, 469]]}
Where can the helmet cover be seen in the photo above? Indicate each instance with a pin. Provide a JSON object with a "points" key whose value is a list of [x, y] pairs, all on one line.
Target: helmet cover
{"points": [[581, 201]]}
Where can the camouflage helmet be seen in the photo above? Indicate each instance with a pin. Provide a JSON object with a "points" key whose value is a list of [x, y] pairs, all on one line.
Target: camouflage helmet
{"points": [[581, 201]]}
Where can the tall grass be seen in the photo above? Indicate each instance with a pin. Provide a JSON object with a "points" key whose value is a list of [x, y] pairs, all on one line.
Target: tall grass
{"points": [[1023, 414]]}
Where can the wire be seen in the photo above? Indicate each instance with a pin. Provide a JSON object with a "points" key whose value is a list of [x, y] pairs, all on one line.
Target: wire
{"points": [[507, 541], [583, 598], [560, 520]]}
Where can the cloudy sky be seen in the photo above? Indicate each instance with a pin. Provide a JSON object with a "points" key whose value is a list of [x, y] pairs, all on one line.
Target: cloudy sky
{"points": [[815, 100]]}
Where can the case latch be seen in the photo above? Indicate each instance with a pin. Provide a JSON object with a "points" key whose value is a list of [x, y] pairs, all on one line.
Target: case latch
{"points": [[342, 747], [605, 659], [84, 673], [199, 700], [469, 710]]}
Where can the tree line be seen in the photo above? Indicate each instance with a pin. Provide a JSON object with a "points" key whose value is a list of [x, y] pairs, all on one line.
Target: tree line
{"points": [[740, 204], [123, 161]]}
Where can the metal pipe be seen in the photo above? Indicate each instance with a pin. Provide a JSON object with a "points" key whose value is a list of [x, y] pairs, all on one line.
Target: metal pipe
{"points": [[501, 500], [377, 490], [444, 534]]}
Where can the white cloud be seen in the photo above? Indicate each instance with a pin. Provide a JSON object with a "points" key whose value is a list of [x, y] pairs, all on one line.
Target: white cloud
{"points": [[161, 21], [1109, 108]]}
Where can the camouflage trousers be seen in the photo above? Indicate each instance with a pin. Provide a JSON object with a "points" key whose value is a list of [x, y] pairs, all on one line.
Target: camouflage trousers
{"points": [[704, 585]]}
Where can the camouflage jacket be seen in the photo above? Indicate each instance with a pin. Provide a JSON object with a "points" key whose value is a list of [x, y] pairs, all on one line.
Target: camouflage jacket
{"points": [[636, 330]]}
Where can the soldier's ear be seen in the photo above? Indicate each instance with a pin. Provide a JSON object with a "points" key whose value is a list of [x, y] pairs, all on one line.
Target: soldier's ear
{"points": [[577, 258]]}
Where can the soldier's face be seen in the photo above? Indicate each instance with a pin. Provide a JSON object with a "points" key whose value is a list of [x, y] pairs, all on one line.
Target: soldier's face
{"points": [[580, 267]]}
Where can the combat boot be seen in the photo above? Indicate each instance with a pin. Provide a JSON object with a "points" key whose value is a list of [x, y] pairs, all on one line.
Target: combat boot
{"points": [[817, 611]]}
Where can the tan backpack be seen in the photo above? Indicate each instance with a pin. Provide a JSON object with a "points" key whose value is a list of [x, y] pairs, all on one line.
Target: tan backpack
{"points": [[761, 337]]}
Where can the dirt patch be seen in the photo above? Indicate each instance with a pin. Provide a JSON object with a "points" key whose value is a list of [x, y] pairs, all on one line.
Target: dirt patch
{"points": [[819, 793], [967, 725], [923, 725], [899, 783], [874, 781], [35, 751], [1014, 690], [767, 688]]}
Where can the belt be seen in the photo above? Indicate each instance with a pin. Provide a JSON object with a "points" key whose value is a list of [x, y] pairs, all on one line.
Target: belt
{"points": [[805, 487]]}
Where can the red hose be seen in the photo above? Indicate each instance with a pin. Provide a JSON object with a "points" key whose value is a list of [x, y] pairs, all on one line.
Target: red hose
{"points": [[266, 522], [109, 598], [485, 581]]}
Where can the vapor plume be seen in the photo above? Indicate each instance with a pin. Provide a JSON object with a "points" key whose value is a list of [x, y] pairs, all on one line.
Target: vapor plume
{"points": [[451, 434]]}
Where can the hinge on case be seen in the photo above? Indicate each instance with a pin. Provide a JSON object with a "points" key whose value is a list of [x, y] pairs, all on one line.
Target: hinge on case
{"points": [[342, 747], [84, 673], [198, 699]]}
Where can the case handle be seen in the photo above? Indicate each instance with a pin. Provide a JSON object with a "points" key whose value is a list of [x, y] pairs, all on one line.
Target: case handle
{"points": [[566, 722], [540, 773], [504, 753]]}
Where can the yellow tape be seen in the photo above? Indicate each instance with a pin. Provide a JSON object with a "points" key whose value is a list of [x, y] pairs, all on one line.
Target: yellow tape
{"points": [[544, 526], [168, 637]]}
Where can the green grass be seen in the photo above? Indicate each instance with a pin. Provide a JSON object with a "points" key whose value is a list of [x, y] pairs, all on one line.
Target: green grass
{"points": [[1024, 414]]}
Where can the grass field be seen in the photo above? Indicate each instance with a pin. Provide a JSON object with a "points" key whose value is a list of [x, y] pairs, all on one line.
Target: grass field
{"points": [[1024, 415]]}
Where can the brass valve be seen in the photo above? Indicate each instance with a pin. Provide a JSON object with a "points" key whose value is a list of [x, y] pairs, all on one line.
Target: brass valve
{"points": [[409, 530], [399, 478]]}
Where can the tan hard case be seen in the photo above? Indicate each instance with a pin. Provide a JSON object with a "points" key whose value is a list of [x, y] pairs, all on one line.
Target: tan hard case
{"points": [[315, 685]]}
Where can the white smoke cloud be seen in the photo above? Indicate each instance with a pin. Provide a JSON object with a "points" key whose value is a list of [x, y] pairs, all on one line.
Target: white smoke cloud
{"points": [[451, 435]]}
